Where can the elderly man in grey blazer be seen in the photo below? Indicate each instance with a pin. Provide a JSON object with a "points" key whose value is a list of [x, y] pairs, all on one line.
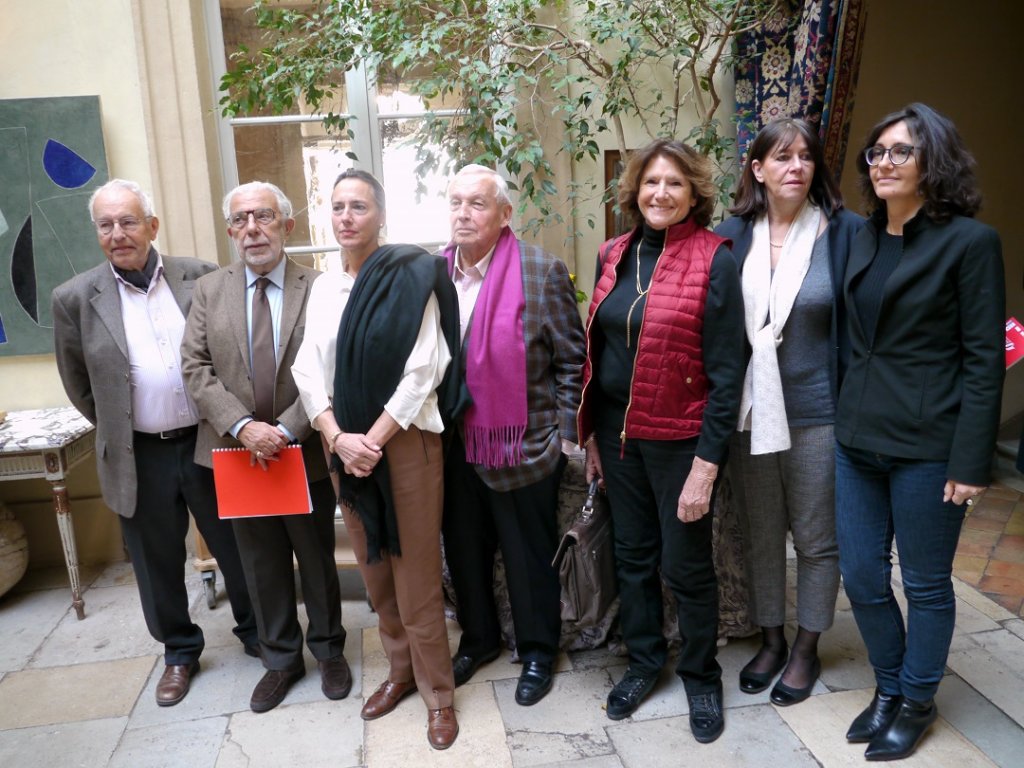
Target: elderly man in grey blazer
{"points": [[243, 332], [117, 331]]}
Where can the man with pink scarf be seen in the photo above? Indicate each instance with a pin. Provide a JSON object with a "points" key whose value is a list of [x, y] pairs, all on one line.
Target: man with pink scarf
{"points": [[523, 351]]}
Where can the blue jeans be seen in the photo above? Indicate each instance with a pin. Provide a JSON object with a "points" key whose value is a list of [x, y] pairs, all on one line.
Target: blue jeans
{"points": [[878, 497]]}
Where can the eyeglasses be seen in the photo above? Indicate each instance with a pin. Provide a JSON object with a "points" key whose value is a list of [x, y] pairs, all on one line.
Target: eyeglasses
{"points": [[128, 224], [240, 219], [898, 154]]}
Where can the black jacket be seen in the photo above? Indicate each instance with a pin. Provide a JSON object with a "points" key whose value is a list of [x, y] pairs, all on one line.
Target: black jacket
{"points": [[843, 225], [928, 386]]}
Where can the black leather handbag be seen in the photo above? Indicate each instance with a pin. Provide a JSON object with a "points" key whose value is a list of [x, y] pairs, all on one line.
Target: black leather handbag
{"points": [[585, 561]]}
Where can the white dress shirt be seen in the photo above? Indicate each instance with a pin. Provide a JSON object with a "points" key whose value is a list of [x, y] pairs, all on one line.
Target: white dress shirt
{"points": [[468, 281], [414, 400], [153, 328]]}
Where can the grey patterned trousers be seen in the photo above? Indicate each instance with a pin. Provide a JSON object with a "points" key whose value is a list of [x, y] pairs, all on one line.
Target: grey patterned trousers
{"points": [[789, 490]]}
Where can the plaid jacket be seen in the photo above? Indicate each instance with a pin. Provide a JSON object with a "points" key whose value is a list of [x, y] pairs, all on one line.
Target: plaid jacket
{"points": [[555, 350]]}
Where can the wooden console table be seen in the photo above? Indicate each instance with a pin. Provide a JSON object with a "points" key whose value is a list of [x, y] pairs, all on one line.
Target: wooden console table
{"points": [[47, 443]]}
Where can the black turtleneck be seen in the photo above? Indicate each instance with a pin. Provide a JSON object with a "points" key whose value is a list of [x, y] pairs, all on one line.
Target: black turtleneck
{"points": [[615, 368]]}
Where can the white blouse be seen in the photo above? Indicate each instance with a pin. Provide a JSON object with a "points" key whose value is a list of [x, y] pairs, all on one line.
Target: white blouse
{"points": [[415, 399]]}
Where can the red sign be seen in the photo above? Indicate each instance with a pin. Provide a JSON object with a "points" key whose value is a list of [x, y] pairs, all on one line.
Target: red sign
{"points": [[1014, 341]]}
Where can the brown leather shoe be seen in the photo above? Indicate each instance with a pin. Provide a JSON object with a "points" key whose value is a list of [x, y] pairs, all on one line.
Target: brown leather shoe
{"points": [[273, 687], [385, 699], [174, 683], [442, 727], [335, 677]]}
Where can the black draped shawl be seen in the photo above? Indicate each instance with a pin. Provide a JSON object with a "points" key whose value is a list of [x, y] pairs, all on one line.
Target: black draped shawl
{"points": [[377, 333]]}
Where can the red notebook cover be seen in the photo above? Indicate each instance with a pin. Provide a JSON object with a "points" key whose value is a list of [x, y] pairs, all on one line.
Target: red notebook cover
{"points": [[251, 491], [1014, 341]]}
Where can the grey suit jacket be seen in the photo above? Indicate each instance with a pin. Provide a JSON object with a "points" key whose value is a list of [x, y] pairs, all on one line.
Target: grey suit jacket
{"points": [[92, 359], [215, 362]]}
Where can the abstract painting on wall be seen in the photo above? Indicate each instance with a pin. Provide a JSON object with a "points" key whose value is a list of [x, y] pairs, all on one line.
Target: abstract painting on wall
{"points": [[51, 159]]}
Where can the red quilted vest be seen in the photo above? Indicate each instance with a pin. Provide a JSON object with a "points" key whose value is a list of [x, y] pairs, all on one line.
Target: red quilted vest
{"points": [[669, 388]]}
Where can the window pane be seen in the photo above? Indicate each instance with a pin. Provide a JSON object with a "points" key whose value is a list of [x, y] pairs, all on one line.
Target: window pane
{"points": [[411, 220]]}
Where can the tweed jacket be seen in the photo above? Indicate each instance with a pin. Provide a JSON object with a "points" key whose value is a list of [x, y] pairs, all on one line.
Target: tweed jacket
{"points": [[92, 359], [555, 350], [215, 362]]}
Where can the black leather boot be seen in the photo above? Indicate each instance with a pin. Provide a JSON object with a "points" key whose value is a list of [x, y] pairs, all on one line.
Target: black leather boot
{"points": [[875, 718], [905, 732]]}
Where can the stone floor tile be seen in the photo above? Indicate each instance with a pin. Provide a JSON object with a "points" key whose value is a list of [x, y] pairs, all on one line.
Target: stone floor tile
{"points": [[91, 743], [194, 743], [568, 724], [993, 664], [1012, 603], [972, 597], [115, 575], [56, 577], [1001, 492], [1016, 626], [1001, 739], [981, 522], [113, 628], [602, 761], [821, 724], [1002, 585], [972, 563], [399, 739], [26, 620], [322, 734], [844, 659], [90, 691], [597, 658], [970, 619], [754, 737]]}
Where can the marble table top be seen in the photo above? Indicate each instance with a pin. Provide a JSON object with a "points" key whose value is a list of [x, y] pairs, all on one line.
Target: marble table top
{"points": [[40, 428]]}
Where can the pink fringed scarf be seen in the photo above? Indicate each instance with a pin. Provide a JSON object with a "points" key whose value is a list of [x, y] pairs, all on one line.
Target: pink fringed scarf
{"points": [[496, 360]]}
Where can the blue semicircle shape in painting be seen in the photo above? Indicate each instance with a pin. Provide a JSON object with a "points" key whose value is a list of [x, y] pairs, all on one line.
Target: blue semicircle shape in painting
{"points": [[65, 167]]}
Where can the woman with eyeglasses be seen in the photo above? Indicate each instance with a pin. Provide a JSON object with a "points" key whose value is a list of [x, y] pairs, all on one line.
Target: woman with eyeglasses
{"points": [[918, 408], [792, 238]]}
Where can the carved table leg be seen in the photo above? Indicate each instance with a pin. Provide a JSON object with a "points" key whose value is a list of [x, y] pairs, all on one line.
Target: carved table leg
{"points": [[67, 539]]}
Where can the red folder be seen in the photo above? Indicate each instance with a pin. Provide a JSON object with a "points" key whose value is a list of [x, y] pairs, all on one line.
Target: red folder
{"points": [[1014, 341], [251, 491]]}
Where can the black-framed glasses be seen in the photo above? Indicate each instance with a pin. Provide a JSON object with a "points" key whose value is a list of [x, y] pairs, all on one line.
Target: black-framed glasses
{"points": [[128, 224], [898, 154], [240, 219]]}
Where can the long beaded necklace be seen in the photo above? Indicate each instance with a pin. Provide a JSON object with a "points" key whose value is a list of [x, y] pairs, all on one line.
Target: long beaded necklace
{"points": [[640, 292]]}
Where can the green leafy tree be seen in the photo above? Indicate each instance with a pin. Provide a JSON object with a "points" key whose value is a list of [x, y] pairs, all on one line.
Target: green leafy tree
{"points": [[516, 71]]}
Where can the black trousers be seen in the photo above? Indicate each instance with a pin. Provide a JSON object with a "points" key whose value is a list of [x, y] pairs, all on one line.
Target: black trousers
{"points": [[170, 484], [644, 482], [523, 522], [266, 545]]}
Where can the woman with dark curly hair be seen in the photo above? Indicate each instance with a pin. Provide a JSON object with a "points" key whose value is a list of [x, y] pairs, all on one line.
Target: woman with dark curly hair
{"points": [[918, 409], [792, 237], [661, 387]]}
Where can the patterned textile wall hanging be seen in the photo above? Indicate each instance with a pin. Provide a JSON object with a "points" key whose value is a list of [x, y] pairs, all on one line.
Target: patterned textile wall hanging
{"points": [[802, 63]]}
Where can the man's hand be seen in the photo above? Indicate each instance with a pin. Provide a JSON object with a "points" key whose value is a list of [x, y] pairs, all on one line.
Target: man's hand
{"points": [[593, 463], [263, 441], [695, 499]]}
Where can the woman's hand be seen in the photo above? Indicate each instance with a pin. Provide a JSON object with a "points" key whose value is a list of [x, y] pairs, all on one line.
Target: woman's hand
{"points": [[695, 499], [593, 462], [358, 453], [959, 493]]}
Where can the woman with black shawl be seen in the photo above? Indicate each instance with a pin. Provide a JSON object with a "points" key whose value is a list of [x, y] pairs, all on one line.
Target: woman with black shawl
{"points": [[373, 373]]}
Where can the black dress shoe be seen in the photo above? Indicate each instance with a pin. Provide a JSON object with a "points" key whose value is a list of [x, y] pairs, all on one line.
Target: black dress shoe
{"points": [[900, 739], [534, 682], [273, 687], [783, 695], [875, 718], [624, 699], [707, 720], [464, 667], [755, 682]]}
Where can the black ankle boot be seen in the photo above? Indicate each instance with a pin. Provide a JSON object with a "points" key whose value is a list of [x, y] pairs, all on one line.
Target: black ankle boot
{"points": [[905, 732], [875, 718]]}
